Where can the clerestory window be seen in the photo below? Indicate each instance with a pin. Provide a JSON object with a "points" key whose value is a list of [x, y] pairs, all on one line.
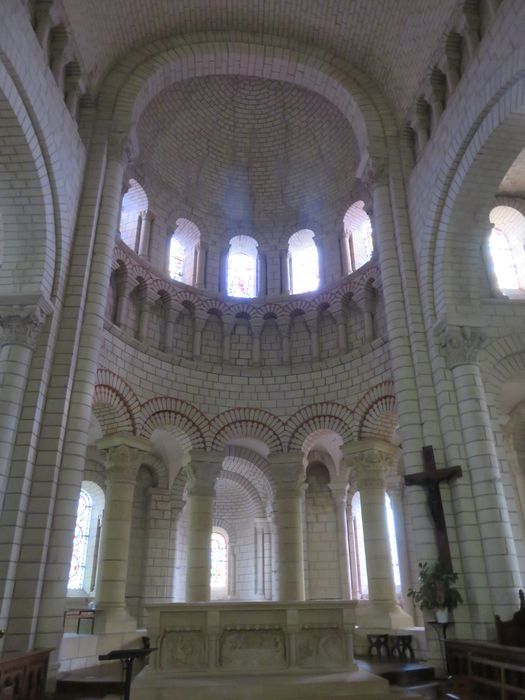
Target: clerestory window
{"points": [[303, 262], [242, 267]]}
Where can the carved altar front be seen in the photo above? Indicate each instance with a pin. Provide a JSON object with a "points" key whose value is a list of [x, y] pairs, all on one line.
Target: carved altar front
{"points": [[252, 637], [260, 650]]}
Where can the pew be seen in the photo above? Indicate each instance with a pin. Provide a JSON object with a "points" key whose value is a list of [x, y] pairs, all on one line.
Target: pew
{"points": [[23, 675]]}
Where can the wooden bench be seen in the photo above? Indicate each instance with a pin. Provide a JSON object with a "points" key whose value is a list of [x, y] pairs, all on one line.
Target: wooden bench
{"points": [[23, 675]]}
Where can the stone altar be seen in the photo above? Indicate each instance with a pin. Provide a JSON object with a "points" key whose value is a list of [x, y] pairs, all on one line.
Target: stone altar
{"points": [[257, 650]]}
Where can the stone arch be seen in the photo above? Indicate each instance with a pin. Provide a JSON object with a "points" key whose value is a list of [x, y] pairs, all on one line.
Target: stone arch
{"points": [[495, 137], [376, 414], [248, 423], [252, 465], [115, 404], [31, 225], [145, 72], [327, 415], [162, 411]]}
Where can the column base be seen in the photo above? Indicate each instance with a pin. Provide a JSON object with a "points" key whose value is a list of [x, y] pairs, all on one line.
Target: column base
{"points": [[388, 616], [114, 620]]}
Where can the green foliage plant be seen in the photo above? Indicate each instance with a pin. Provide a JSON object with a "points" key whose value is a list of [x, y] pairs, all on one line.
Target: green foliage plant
{"points": [[437, 587]]}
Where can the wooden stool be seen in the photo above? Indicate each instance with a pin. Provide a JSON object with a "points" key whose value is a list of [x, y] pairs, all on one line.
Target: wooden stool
{"points": [[401, 646], [377, 642]]}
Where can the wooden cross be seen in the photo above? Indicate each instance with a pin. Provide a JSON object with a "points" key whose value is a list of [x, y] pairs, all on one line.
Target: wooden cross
{"points": [[429, 480]]}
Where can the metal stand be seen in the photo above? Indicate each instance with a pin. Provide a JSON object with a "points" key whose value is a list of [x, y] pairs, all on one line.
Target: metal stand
{"points": [[127, 657], [441, 634]]}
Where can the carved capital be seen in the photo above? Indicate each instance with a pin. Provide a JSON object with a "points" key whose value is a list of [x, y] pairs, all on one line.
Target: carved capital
{"points": [[20, 325], [461, 344], [201, 473], [369, 461], [288, 475], [123, 462]]}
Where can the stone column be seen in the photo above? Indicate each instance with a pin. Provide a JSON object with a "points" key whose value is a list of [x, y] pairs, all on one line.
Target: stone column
{"points": [[461, 345], [43, 22], [145, 233], [201, 473], [344, 247], [285, 271], [19, 329], [369, 461], [123, 459], [339, 493], [200, 273], [289, 485], [260, 524]]}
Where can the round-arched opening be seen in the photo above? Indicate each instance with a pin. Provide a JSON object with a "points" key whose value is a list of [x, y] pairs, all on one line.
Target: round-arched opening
{"points": [[303, 262], [506, 250], [242, 267], [358, 241], [133, 210]]}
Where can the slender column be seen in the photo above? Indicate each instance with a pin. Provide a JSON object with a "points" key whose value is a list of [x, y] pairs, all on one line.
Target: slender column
{"points": [[344, 247], [202, 251], [227, 328], [369, 461], [288, 478], [122, 462], [123, 292], [43, 22], [201, 474], [285, 277], [256, 341], [260, 524], [75, 88], [145, 233], [145, 309], [339, 493], [197, 336], [471, 31], [169, 324], [461, 345], [19, 329], [59, 47]]}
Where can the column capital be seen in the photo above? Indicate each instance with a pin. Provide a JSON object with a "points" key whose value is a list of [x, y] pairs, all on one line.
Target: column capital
{"points": [[370, 460], [339, 489], [20, 324], [202, 470], [288, 473], [461, 343], [123, 455]]}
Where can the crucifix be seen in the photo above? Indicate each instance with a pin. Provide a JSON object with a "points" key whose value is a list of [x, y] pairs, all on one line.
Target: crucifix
{"points": [[429, 480]]}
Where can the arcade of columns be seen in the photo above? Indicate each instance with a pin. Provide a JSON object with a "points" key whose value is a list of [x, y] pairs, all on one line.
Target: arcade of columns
{"points": [[367, 464]]}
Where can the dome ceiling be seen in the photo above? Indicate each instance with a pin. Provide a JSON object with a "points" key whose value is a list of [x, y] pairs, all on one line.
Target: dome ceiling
{"points": [[393, 41], [253, 154]]}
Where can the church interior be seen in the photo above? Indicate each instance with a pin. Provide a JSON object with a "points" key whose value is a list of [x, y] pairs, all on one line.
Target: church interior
{"points": [[262, 363]]}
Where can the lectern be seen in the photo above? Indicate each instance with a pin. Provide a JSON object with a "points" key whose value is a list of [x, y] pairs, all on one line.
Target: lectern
{"points": [[127, 656]]}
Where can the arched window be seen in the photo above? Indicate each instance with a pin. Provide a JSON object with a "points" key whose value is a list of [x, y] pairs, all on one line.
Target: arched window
{"points": [[358, 243], [176, 259], [86, 538], [506, 250], [134, 207], [359, 545], [183, 252], [303, 262], [242, 267], [219, 563]]}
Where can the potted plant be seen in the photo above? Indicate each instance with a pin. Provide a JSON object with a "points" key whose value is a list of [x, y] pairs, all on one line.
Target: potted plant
{"points": [[437, 590]]}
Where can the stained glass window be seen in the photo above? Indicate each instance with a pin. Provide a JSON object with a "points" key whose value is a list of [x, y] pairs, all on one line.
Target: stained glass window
{"points": [[359, 546], [242, 267], [176, 259], [304, 262], [504, 263], [80, 541], [219, 561]]}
